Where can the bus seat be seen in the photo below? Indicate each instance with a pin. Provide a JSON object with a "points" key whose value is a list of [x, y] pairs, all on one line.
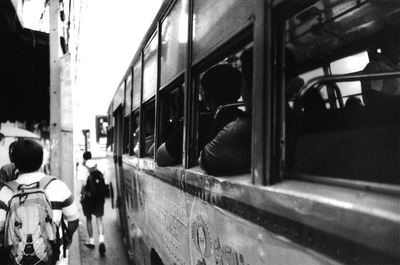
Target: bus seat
{"points": [[225, 107], [361, 144]]}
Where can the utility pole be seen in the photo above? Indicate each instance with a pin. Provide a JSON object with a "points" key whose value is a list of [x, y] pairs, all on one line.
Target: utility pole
{"points": [[61, 123], [55, 93]]}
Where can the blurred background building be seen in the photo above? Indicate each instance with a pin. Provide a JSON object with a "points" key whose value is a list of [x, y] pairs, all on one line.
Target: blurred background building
{"points": [[97, 39]]}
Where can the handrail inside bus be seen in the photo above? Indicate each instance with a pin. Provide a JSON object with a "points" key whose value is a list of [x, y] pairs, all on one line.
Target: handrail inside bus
{"points": [[236, 104], [356, 76]]}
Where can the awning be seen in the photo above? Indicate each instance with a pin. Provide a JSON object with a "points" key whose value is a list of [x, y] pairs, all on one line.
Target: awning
{"points": [[18, 133]]}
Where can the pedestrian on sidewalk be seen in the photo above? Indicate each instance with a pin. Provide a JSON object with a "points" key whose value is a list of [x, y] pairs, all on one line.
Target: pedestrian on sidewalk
{"points": [[40, 207], [93, 194]]}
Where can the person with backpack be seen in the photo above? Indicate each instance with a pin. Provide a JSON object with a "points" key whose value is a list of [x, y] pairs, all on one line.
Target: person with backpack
{"points": [[38, 215], [93, 196]]}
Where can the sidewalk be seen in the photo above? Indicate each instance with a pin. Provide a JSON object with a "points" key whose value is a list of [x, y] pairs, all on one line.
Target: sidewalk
{"points": [[115, 250]]}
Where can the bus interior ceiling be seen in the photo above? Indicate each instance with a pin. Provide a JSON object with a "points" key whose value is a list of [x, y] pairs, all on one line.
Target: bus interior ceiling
{"points": [[24, 69], [323, 32]]}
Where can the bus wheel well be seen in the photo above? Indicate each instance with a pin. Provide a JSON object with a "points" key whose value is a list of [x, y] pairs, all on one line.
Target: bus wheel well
{"points": [[155, 258]]}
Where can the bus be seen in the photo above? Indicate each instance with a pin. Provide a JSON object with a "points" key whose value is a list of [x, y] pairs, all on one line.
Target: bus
{"points": [[323, 184]]}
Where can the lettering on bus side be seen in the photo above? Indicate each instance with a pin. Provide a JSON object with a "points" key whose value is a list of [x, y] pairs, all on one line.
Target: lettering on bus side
{"points": [[201, 239], [223, 253]]}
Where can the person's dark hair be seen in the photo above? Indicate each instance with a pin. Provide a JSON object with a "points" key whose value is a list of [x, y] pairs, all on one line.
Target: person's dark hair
{"points": [[353, 102], [28, 155], [1, 136], [313, 101], [87, 155], [222, 82], [10, 150]]}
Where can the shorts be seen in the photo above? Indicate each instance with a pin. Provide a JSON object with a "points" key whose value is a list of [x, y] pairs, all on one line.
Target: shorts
{"points": [[95, 208]]}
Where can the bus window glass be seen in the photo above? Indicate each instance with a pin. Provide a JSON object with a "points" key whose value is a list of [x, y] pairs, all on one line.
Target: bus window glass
{"points": [[347, 65], [110, 116], [173, 41], [137, 83], [215, 21], [307, 77], [311, 74], [171, 130], [357, 142], [119, 96], [110, 139], [224, 131], [148, 129], [126, 142], [135, 133], [128, 94], [150, 69]]}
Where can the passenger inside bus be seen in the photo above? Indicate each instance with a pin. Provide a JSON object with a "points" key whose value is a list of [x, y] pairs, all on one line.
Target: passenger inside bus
{"points": [[149, 130], [313, 101], [358, 142], [221, 85], [352, 103], [230, 151], [387, 91], [172, 112], [135, 129]]}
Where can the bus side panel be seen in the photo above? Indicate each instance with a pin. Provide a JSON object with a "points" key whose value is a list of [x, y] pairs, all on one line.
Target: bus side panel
{"points": [[219, 237], [113, 180], [164, 217], [122, 207], [138, 249]]}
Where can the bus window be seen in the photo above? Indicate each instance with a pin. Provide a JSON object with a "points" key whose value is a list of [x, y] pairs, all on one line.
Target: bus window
{"points": [[110, 139], [224, 131], [147, 141], [137, 83], [171, 130], [173, 41], [293, 88], [150, 69], [215, 21], [134, 133], [347, 65], [311, 74], [126, 142], [128, 95], [359, 142]]}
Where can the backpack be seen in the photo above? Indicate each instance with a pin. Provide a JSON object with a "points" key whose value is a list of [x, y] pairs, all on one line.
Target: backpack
{"points": [[95, 188], [30, 232]]}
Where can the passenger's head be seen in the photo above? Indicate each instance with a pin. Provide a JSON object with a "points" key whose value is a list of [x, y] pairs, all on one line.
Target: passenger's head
{"points": [[353, 102], [28, 156], [313, 101], [221, 85], [87, 155], [247, 71], [10, 150]]}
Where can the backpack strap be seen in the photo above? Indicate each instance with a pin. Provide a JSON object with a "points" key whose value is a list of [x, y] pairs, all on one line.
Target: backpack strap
{"points": [[12, 185], [45, 181]]}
